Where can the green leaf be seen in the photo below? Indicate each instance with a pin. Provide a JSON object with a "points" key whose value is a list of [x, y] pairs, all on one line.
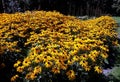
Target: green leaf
{"points": [[106, 61], [116, 72]]}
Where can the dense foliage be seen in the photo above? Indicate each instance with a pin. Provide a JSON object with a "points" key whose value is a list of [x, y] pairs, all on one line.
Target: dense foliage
{"points": [[49, 46]]}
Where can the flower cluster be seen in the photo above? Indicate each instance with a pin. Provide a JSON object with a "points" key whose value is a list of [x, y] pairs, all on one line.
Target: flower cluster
{"points": [[58, 44]]}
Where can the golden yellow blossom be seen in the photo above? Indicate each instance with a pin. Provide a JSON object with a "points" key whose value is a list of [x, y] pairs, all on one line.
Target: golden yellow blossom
{"points": [[56, 42], [37, 69], [17, 64], [26, 62], [87, 68], [38, 58], [98, 69], [33, 76], [20, 69], [48, 64], [14, 78], [83, 57], [71, 75], [28, 76], [55, 70], [104, 55], [83, 63]]}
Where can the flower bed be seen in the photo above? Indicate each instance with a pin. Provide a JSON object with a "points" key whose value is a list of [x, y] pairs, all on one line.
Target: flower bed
{"points": [[55, 47]]}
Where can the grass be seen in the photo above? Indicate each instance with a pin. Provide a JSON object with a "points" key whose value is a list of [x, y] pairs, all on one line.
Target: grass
{"points": [[117, 19], [115, 72]]}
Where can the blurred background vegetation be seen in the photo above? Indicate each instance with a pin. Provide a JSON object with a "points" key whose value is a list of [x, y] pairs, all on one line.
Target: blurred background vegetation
{"points": [[68, 7]]}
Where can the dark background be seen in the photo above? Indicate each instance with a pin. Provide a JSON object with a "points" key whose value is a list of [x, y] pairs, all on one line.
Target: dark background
{"points": [[67, 7]]}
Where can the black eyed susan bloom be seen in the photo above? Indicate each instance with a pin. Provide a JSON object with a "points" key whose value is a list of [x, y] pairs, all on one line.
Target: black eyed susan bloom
{"points": [[57, 45]]}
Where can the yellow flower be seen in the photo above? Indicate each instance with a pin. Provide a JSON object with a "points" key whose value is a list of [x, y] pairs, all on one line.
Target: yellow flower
{"points": [[63, 66], [75, 58], [92, 57], [98, 69], [26, 62], [14, 78], [104, 55], [49, 58], [70, 62], [71, 75], [48, 64], [38, 59], [83, 57], [36, 51], [104, 48], [37, 69], [28, 76], [17, 64], [83, 63], [115, 43], [55, 70], [73, 52], [56, 43], [87, 68], [20, 69], [33, 76]]}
